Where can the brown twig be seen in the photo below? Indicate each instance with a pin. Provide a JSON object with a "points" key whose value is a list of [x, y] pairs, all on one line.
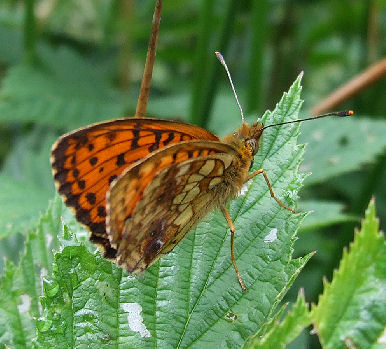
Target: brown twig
{"points": [[147, 74], [351, 88]]}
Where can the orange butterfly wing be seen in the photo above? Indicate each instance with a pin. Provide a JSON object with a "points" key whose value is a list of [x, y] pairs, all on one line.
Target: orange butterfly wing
{"points": [[154, 203], [86, 161]]}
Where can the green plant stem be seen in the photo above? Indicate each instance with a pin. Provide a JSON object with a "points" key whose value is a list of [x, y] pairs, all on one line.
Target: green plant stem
{"points": [[30, 33], [125, 16], [211, 79], [259, 17], [286, 56], [109, 25], [369, 187], [200, 68]]}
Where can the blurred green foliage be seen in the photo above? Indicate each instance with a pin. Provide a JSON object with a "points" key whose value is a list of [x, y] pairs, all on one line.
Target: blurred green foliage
{"points": [[67, 63]]}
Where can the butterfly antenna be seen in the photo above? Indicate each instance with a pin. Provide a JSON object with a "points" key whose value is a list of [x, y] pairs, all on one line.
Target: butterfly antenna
{"points": [[222, 61], [337, 113]]}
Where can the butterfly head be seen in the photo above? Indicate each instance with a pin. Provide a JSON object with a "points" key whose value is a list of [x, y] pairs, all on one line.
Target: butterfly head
{"points": [[247, 137]]}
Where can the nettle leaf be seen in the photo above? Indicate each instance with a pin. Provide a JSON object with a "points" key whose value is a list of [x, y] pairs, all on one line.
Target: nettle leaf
{"points": [[28, 151], [65, 91], [323, 213], [20, 287], [20, 205], [25, 188], [191, 295], [282, 333], [352, 310], [336, 146]]}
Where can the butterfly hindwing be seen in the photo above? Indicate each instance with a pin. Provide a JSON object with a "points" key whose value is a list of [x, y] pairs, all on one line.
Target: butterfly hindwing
{"points": [[85, 162], [146, 220]]}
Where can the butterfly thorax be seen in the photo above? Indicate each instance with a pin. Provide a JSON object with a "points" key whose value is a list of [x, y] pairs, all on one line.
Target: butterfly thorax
{"points": [[246, 140]]}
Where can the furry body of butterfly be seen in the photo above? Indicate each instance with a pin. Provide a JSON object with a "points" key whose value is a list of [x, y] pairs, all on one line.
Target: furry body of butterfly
{"points": [[140, 185]]}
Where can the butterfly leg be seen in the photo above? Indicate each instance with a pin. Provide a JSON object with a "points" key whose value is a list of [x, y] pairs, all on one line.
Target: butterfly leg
{"points": [[232, 228], [253, 174]]}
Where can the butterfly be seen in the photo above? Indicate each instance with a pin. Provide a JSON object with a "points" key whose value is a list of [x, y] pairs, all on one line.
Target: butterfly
{"points": [[140, 184]]}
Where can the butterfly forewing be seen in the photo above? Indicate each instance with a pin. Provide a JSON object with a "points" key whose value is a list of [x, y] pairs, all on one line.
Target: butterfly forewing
{"points": [[86, 161], [147, 219]]}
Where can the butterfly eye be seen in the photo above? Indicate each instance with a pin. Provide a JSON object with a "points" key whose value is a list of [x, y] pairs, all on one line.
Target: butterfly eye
{"points": [[253, 144]]}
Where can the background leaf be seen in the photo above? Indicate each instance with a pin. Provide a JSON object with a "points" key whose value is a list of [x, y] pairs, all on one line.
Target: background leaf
{"points": [[19, 214], [284, 332], [66, 91], [20, 287], [337, 146], [352, 308], [324, 213]]}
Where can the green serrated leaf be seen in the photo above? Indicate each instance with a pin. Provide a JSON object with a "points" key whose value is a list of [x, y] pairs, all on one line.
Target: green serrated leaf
{"points": [[66, 91], [20, 287], [192, 294], [81, 301], [26, 182], [337, 146], [28, 160], [323, 213], [11, 318], [21, 204], [352, 308], [284, 332]]}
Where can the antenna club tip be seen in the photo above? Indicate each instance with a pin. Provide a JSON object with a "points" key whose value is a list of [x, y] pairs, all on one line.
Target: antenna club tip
{"points": [[345, 113], [220, 57]]}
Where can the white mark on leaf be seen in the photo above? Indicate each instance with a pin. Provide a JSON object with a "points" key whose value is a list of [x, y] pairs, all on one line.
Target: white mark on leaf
{"points": [[292, 194], [272, 236], [317, 135], [25, 303], [43, 273], [334, 160], [371, 138], [48, 240], [305, 167], [134, 318], [382, 338]]}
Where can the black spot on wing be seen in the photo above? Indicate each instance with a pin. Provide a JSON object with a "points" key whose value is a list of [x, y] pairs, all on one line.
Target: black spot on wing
{"points": [[155, 145], [93, 161], [109, 252], [134, 142], [91, 198], [101, 211], [169, 139], [121, 159]]}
